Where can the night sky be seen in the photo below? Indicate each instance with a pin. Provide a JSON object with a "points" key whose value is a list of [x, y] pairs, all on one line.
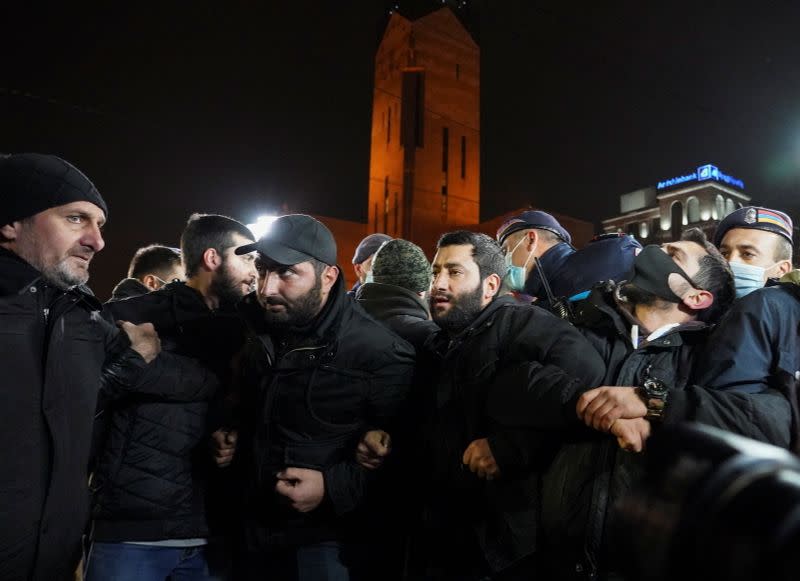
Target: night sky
{"points": [[239, 110]]}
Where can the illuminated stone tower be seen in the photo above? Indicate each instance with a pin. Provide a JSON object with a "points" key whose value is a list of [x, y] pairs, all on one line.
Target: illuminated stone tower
{"points": [[425, 149]]}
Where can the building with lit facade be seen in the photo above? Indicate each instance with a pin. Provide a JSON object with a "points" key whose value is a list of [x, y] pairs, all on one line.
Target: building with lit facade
{"points": [[660, 213], [424, 173]]}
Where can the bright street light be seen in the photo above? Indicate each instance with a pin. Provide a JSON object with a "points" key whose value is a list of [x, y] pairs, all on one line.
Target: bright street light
{"points": [[262, 225]]}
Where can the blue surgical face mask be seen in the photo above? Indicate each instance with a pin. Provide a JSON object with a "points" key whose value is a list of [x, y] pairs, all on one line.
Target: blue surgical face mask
{"points": [[516, 275], [369, 278], [748, 277]]}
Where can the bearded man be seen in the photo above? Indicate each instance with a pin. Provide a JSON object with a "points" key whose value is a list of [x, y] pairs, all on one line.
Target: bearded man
{"points": [[151, 506], [480, 470], [317, 374]]}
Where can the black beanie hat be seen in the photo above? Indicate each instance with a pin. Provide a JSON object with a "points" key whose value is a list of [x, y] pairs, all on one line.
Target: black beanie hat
{"points": [[31, 183], [402, 263]]}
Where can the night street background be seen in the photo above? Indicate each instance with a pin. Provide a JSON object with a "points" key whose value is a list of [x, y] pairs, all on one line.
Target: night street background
{"points": [[238, 108]]}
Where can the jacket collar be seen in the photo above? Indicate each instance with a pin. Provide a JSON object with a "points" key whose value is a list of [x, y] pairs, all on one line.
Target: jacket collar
{"points": [[17, 275], [443, 342], [389, 299], [603, 308]]}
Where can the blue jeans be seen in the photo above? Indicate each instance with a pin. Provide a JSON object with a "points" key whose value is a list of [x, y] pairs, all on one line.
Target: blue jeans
{"points": [[319, 562], [126, 562]]}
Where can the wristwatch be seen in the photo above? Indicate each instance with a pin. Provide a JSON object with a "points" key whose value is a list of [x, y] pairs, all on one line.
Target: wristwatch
{"points": [[654, 395]]}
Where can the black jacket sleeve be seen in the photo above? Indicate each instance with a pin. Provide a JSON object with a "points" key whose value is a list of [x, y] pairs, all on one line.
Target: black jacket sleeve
{"points": [[346, 481], [547, 366]]}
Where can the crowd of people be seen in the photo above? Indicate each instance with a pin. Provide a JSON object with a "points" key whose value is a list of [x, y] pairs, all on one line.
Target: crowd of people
{"points": [[234, 412]]}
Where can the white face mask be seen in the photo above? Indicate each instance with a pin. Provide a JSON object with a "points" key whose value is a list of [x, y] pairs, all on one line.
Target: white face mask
{"points": [[369, 278], [748, 277]]}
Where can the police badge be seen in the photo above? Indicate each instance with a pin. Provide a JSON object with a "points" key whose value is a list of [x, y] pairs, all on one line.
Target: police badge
{"points": [[750, 216]]}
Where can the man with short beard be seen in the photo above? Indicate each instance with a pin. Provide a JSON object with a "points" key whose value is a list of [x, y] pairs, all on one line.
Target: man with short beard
{"points": [[317, 374], [479, 482], [57, 352], [649, 331], [152, 513]]}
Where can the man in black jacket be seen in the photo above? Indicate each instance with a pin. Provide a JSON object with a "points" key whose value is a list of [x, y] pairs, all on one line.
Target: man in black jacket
{"points": [[150, 515], [318, 373], [56, 351], [396, 288], [649, 332], [151, 268], [481, 470]]}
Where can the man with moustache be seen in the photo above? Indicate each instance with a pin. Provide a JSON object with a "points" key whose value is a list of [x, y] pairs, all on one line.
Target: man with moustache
{"points": [[151, 513], [481, 471], [317, 374], [649, 331], [57, 351]]}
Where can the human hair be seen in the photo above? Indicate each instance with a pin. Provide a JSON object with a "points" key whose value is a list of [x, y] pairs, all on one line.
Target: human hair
{"points": [[714, 275], [486, 252], [782, 250], [154, 259], [204, 231]]}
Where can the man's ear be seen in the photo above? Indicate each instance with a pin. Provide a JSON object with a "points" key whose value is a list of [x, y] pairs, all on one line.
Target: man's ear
{"points": [[783, 267], [151, 282], [9, 232], [491, 286], [329, 276], [211, 259], [697, 299], [531, 239]]}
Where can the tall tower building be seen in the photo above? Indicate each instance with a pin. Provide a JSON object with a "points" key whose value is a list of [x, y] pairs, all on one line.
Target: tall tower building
{"points": [[425, 148]]}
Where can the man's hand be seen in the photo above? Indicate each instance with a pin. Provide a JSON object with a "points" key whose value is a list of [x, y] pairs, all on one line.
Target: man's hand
{"points": [[631, 434], [373, 449], [305, 488], [144, 339], [478, 456], [223, 446], [599, 408]]}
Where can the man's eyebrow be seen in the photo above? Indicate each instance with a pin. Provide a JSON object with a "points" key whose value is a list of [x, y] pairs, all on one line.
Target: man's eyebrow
{"points": [[453, 265], [746, 246]]}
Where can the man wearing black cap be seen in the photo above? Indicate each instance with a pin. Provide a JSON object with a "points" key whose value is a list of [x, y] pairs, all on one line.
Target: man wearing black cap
{"points": [[539, 253], [362, 259], [318, 373], [54, 344]]}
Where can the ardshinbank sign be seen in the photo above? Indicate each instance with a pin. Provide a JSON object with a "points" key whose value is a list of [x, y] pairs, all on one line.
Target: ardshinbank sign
{"points": [[704, 172]]}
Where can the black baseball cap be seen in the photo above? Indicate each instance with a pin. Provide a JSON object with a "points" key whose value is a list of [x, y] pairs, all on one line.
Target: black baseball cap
{"points": [[293, 239]]}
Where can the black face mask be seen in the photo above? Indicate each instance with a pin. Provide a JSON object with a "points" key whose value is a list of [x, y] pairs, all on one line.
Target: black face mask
{"points": [[651, 270]]}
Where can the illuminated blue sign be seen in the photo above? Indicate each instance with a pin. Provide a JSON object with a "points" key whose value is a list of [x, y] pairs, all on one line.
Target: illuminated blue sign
{"points": [[704, 172]]}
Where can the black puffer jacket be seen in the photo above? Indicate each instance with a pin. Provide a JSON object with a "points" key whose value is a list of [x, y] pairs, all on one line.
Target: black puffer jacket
{"points": [[399, 309], [151, 479], [307, 400], [513, 363], [56, 351], [127, 288]]}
